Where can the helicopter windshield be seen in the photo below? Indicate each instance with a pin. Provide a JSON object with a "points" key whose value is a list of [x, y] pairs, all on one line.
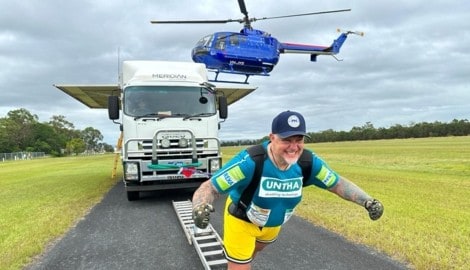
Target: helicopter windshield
{"points": [[168, 101], [205, 41]]}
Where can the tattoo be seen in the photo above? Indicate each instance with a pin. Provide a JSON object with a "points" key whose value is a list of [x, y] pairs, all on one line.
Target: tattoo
{"points": [[205, 194], [351, 192]]}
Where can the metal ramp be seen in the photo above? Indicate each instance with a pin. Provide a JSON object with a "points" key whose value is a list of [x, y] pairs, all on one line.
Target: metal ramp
{"points": [[207, 242]]}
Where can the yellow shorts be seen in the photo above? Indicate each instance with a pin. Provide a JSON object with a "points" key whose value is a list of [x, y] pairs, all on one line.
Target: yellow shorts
{"points": [[240, 237]]}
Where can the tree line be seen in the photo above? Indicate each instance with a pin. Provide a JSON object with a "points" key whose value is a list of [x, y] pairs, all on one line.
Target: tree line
{"points": [[21, 131], [369, 132]]}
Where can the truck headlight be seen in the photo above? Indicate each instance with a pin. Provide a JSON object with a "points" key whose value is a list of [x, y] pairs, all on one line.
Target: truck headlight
{"points": [[131, 171], [183, 143], [214, 165], [165, 143]]}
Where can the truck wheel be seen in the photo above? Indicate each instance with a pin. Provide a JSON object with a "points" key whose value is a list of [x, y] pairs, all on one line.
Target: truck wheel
{"points": [[132, 195]]}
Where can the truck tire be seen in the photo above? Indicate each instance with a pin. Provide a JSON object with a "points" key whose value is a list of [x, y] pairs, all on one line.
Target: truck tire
{"points": [[132, 195]]}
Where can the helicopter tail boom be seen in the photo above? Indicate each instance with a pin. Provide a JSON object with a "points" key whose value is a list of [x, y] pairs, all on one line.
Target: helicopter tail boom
{"points": [[315, 50]]}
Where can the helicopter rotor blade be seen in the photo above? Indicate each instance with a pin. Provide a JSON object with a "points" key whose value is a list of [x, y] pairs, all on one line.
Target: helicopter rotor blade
{"points": [[243, 10], [196, 21], [245, 20], [241, 3], [303, 14]]}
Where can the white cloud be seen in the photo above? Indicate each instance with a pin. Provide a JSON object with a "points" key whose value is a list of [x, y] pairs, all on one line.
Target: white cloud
{"points": [[410, 66]]}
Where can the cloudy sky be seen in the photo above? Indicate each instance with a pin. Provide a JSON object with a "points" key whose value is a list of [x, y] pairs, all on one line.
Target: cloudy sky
{"points": [[412, 65]]}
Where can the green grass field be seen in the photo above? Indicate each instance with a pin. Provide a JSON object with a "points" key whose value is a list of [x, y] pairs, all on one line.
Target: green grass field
{"points": [[41, 199], [424, 185]]}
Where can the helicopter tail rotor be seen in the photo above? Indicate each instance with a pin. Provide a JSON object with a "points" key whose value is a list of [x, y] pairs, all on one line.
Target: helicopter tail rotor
{"points": [[359, 33]]}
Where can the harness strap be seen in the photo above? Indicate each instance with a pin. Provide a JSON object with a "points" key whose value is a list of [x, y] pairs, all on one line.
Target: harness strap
{"points": [[258, 154]]}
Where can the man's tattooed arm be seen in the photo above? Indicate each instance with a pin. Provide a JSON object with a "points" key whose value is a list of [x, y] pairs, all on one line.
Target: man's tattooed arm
{"points": [[349, 191], [205, 194]]}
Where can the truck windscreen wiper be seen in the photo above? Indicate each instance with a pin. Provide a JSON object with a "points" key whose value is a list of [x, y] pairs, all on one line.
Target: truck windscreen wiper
{"points": [[156, 115], [197, 115]]}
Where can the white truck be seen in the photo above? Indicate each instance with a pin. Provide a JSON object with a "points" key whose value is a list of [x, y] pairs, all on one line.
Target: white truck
{"points": [[170, 118]]}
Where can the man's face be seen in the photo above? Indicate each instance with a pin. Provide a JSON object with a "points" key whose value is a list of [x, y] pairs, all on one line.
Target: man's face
{"points": [[288, 149]]}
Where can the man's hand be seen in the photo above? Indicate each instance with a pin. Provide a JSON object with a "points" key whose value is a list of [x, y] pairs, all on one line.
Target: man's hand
{"points": [[375, 209], [201, 215]]}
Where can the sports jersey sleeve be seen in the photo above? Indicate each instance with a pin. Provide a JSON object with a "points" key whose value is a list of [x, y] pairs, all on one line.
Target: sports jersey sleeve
{"points": [[322, 175], [234, 174]]}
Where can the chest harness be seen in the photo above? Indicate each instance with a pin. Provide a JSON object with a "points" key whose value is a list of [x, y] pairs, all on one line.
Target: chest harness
{"points": [[258, 155]]}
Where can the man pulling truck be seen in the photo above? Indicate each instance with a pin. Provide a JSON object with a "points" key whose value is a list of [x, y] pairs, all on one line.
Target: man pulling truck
{"points": [[254, 214]]}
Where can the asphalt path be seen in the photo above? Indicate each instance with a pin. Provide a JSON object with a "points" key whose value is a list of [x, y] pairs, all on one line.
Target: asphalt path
{"points": [[146, 234]]}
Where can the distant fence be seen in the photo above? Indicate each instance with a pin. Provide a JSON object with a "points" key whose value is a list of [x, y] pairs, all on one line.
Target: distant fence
{"points": [[21, 156]]}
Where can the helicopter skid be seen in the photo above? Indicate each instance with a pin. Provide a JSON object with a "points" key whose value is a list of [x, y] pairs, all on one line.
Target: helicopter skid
{"points": [[235, 72]]}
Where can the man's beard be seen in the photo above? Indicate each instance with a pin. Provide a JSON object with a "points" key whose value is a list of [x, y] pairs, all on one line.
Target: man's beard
{"points": [[291, 161]]}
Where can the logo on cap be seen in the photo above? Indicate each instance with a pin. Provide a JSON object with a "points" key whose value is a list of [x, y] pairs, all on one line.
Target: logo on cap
{"points": [[288, 124], [293, 121]]}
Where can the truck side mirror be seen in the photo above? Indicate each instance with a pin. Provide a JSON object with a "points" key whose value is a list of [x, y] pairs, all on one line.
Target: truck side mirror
{"points": [[113, 107], [223, 107]]}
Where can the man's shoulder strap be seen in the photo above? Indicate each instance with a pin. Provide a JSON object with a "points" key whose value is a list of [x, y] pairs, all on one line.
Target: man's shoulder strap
{"points": [[306, 163], [258, 154]]}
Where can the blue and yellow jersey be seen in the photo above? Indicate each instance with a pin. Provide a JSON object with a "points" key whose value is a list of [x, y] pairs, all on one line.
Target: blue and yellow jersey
{"points": [[278, 193]]}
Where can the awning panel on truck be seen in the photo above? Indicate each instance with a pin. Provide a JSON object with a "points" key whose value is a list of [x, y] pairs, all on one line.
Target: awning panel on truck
{"points": [[96, 96], [93, 96], [234, 91]]}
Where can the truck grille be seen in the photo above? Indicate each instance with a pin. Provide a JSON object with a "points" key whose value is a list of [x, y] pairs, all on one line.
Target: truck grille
{"points": [[205, 147]]}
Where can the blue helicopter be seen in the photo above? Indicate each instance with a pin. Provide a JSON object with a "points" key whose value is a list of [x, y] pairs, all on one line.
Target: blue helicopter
{"points": [[252, 51]]}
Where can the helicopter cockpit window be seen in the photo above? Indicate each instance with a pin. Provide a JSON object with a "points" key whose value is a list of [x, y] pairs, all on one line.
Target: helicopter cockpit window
{"points": [[205, 41], [234, 40], [209, 40], [168, 101], [220, 42]]}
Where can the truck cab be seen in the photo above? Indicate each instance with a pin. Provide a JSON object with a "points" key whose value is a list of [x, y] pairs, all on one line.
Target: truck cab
{"points": [[169, 115]]}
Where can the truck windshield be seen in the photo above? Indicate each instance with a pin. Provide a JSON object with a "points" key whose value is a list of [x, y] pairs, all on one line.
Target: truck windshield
{"points": [[168, 101]]}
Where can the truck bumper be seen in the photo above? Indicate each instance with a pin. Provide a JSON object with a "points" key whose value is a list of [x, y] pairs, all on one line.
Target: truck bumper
{"points": [[163, 186]]}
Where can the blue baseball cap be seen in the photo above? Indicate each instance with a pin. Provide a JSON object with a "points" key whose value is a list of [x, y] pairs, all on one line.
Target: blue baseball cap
{"points": [[288, 124]]}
